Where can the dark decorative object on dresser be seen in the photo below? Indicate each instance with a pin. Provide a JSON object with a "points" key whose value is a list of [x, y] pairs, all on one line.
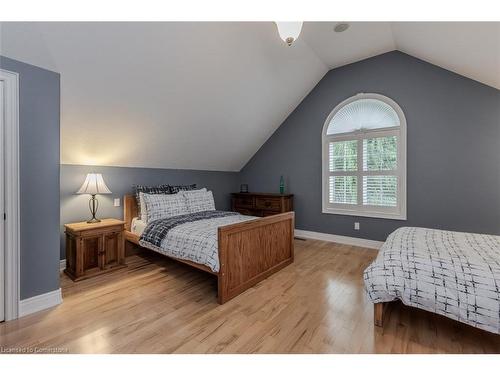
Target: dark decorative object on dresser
{"points": [[261, 204]]}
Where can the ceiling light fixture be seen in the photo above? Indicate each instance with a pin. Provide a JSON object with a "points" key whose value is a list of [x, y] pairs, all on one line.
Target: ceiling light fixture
{"points": [[289, 31], [341, 27]]}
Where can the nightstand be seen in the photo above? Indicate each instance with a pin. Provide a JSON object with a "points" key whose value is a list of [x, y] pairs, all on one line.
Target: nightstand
{"points": [[94, 249]]}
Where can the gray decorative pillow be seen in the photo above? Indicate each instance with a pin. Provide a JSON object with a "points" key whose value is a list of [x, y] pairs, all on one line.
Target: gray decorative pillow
{"points": [[162, 206], [199, 201], [174, 189]]}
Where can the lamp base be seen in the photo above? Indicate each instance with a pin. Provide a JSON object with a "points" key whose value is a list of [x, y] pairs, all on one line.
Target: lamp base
{"points": [[93, 205]]}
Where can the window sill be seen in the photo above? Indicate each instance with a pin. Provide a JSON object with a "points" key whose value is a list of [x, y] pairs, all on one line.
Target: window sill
{"points": [[377, 215]]}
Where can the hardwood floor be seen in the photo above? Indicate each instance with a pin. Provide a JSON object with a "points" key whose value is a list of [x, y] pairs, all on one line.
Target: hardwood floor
{"points": [[316, 305]]}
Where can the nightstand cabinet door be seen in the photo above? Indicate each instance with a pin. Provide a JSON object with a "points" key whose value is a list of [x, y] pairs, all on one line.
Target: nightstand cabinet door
{"points": [[90, 249], [113, 252]]}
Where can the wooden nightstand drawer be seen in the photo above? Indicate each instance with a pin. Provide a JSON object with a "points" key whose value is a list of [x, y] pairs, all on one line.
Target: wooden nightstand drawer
{"points": [[268, 203], [244, 202]]}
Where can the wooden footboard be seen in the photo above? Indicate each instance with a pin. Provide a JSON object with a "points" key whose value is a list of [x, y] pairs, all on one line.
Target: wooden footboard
{"points": [[251, 251]]}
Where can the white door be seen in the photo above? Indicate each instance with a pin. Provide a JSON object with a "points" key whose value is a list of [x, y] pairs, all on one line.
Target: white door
{"points": [[2, 205]]}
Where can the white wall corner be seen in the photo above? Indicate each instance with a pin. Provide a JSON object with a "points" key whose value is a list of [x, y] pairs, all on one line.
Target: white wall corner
{"points": [[353, 241], [41, 302], [62, 265]]}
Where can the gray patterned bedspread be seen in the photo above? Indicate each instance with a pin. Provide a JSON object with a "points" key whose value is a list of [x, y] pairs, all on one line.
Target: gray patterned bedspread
{"points": [[449, 273], [190, 237]]}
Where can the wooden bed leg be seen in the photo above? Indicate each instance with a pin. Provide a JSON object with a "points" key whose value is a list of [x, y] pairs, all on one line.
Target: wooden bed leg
{"points": [[130, 248], [378, 313]]}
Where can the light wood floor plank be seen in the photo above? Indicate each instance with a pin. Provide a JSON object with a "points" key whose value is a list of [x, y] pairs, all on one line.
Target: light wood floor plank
{"points": [[316, 305]]}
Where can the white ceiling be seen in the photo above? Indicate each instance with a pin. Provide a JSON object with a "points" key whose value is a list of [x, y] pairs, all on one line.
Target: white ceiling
{"points": [[360, 41], [208, 95], [471, 49]]}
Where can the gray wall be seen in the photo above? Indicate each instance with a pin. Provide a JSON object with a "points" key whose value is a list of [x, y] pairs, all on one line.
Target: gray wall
{"points": [[39, 176], [453, 148], [120, 180]]}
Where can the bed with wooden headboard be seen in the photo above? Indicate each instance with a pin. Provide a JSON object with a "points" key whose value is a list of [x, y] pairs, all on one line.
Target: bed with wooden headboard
{"points": [[248, 252]]}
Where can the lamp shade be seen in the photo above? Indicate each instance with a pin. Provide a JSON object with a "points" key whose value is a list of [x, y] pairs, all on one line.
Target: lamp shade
{"points": [[94, 184], [289, 31]]}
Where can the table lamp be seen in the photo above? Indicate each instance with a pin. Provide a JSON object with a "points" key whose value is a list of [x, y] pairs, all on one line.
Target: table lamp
{"points": [[94, 184]]}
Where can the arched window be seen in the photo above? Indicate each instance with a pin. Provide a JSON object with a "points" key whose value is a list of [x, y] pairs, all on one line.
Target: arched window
{"points": [[364, 158]]}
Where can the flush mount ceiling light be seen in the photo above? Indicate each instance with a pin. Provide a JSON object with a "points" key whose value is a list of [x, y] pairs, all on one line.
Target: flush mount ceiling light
{"points": [[341, 27], [289, 31]]}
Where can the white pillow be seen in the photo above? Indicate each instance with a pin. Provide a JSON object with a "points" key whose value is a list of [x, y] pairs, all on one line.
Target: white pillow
{"points": [[162, 206], [187, 192], [199, 201]]}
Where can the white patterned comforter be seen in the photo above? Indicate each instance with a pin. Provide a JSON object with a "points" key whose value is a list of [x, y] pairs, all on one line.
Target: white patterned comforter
{"points": [[450, 273], [196, 241]]}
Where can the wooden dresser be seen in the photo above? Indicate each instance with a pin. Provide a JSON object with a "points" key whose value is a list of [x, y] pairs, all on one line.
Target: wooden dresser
{"points": [[92, 249], [261, 204]]}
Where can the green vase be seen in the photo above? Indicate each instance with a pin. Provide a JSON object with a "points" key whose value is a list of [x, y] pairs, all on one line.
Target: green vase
{"points": [[282, 185]]}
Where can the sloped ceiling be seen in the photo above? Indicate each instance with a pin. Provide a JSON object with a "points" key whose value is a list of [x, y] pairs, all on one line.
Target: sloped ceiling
{"points": [[471, 49], [208, 95]]}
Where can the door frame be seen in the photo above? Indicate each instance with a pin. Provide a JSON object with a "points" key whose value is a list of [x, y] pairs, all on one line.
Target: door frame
{"points": [[12, 202]]}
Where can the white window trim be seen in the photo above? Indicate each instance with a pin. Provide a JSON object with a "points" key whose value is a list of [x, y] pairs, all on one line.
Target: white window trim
{"points": [[359, 210]]}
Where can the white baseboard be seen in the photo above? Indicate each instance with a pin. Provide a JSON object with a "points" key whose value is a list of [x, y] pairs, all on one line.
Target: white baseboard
{"points": [[41, 302], [62, 265], [353, 241]]}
